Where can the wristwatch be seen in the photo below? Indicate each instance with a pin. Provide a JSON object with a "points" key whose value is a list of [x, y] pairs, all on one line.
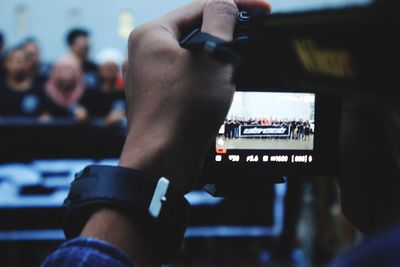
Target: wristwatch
{"points": [[160, 208]]}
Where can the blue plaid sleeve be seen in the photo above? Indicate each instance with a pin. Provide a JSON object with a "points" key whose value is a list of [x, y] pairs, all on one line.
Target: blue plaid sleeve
{"points": [[82, 252], [380, 250]]}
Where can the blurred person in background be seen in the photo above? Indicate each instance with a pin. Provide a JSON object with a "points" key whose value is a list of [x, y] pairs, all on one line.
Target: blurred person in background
{"points": [[1, 43], [64, 89], [20, 94], [79, 46], [1, 55], [107, 101], [37, 69]]}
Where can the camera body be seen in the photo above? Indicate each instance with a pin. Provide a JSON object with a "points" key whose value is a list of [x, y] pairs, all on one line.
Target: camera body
{"points": [[331, 54], [347, 51]]}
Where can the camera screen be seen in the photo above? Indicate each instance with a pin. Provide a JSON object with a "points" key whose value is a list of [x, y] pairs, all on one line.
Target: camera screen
{"points": [[260, 125]]}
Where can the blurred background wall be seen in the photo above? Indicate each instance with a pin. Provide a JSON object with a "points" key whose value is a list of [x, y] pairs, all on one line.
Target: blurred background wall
{"points": [[108, 21]]}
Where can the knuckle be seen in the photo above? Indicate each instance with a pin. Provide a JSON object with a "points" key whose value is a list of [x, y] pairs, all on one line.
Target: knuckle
{"points": [[149, 40], [223, 6], [138, 34]]}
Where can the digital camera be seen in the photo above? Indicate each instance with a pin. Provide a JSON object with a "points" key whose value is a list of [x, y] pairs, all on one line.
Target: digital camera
{"points": [[294, 70]]}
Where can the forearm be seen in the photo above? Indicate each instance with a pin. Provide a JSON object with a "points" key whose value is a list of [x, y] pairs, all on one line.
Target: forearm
{"points": [[167, 102]]}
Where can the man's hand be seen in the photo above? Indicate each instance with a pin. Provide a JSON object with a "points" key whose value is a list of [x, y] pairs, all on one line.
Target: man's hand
{"points": [[176, 101]]}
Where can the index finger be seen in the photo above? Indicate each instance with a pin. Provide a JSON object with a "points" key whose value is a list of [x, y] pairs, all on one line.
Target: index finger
{"points": [[186, 18]]}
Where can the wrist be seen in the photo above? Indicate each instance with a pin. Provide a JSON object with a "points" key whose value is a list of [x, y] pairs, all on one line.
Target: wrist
{"points": [[160, 155], [147, 153], [131, 237], [107, 201]]}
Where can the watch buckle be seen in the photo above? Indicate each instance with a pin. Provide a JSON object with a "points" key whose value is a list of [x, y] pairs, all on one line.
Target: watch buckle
{"points": [[159, 197]]}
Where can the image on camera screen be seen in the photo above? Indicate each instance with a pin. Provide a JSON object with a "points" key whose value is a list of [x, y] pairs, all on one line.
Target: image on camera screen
{"points": [[269, 121]]}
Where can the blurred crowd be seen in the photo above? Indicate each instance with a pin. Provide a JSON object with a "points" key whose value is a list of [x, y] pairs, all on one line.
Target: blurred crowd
{"points": [[73, 87]]}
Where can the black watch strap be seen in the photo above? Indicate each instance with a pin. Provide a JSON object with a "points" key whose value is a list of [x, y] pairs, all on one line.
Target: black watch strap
{"points": [[155, 201]]}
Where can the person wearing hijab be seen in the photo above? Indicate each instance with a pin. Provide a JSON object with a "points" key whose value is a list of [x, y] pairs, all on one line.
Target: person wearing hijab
{"points": [[64, 89]]}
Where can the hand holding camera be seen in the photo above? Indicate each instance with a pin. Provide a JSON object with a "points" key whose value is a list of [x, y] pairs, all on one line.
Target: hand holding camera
{"points": [[170, 129]]}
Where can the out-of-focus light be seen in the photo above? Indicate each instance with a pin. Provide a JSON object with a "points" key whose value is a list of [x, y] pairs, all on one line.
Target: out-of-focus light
{"points": [[126, 23]]}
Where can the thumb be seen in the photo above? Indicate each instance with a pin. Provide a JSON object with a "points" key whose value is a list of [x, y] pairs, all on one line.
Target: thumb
{"points": [[219, 18]]}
